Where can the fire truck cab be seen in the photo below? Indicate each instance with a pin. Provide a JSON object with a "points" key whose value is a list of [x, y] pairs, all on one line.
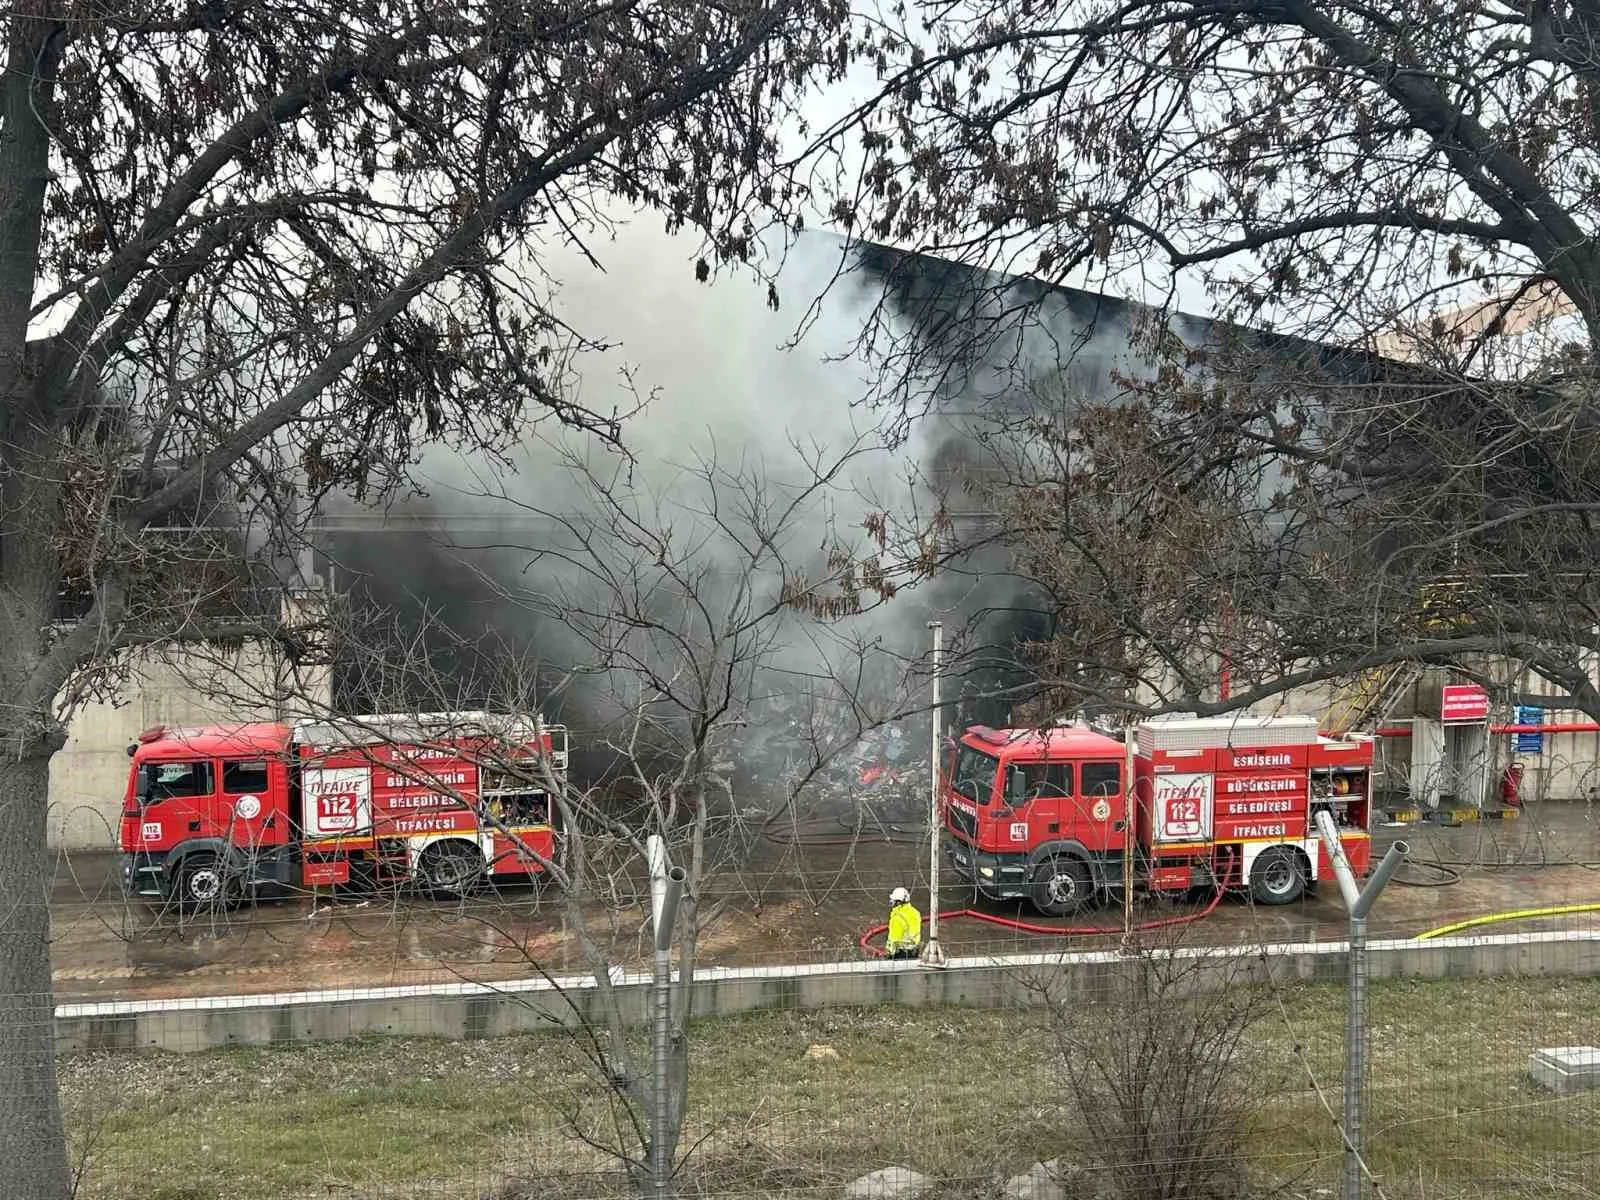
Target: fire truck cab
{"points": [[444, 799], [1037, 814], [1052, 816]]}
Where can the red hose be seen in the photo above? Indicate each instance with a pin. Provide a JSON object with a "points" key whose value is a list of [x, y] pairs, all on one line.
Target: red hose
{"points": [[956, 914]]}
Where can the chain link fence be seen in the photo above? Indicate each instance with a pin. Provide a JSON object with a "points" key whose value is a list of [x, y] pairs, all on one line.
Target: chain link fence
{"points": [[1124, 1083]]}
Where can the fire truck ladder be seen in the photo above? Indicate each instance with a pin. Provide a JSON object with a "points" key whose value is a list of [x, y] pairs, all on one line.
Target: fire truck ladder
{"points": [[1372, 698]]}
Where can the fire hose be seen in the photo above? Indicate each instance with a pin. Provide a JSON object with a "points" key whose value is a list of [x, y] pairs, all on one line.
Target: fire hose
{"points": [[972, 914], [1519, 914], [822, 831]]}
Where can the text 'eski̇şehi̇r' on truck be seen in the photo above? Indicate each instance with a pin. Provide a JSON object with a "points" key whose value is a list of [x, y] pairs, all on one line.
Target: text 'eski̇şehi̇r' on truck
{"points": [[443, 800], [1044, 815]]}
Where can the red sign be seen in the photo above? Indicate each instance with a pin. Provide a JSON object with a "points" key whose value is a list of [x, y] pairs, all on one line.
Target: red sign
{"points": [[1261, 785], [459, 821], [338, 812], [1262, 758], [1463, 703], [1283, 828], [1260, 806], [326, 874]]}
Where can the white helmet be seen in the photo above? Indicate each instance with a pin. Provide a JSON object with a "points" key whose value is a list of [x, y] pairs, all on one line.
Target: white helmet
{"points": [[900, 896]]}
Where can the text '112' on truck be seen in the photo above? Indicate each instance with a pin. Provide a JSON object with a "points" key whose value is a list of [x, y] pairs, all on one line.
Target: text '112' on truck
{"points": [[1063, 816], [446, 801]]}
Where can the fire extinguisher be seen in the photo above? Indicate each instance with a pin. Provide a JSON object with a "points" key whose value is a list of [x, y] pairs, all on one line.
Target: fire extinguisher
{"points": [[1511, 786]]}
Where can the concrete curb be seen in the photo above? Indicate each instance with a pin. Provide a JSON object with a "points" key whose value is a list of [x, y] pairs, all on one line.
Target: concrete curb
{"points": [[478, 1010]]}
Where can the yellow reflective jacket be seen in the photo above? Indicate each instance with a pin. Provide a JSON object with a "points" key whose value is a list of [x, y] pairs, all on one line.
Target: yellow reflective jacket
{"points": [[905, 928]]}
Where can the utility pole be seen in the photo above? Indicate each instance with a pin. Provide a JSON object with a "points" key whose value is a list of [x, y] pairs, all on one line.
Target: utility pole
{"points": [[1128, 840], [666, 889], [932, 952], [1359, 902]]}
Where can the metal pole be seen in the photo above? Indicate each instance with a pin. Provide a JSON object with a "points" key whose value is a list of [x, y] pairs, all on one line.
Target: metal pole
{"points": [[666, 888], [932, 952], [1355, 1057], [1128, 840], [1359, 901]]}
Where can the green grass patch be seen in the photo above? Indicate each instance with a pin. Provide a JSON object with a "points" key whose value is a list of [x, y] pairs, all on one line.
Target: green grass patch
{"points": [[955, 1093]]}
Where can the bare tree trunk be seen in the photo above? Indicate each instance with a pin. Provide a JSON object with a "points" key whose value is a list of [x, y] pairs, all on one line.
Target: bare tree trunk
{"points": [[32, 1140]]}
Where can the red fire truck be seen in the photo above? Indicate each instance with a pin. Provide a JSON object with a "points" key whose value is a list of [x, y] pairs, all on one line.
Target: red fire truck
{"points": [[445, 800], [1045, 815]]}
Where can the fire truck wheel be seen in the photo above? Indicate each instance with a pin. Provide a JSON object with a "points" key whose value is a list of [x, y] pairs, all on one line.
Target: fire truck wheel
{"points": [[202, 884], [1278, 877], [1062, 886], [451, 869]]}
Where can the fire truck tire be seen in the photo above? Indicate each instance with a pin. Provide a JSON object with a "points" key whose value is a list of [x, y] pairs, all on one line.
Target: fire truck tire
{"points": [[202, 884], [1062, 886], [451, 869], [1278, 876]]}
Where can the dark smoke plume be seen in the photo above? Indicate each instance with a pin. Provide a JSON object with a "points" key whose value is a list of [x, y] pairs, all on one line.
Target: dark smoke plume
{"points": [[935, 354]]}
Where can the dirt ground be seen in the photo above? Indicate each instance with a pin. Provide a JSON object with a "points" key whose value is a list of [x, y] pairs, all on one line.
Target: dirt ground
{"points": [[785, 904]]}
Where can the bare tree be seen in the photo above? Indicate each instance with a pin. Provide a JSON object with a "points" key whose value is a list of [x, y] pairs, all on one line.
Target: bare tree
{"points": [[1191, 560], [1318, 163], [250, 254], [693, 599], [1161, 1074], [1332, 183]]}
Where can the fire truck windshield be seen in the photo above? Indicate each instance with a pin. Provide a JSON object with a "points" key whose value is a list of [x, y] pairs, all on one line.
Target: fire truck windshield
{"points": [[974, 774]]}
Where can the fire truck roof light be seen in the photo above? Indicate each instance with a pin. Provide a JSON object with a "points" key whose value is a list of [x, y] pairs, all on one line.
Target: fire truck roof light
{"points": [[153, 734]]}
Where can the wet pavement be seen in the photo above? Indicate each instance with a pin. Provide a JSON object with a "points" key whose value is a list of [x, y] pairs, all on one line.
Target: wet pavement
{"points": [[781, 903]]}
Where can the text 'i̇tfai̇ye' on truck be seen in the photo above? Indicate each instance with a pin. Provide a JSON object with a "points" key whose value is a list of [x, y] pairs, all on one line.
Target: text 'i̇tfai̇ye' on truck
{"points": [[443, 800], [1044, 815]]}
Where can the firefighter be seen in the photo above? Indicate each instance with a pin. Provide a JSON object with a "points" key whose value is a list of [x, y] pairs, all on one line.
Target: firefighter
{"points": [[905, 926]]}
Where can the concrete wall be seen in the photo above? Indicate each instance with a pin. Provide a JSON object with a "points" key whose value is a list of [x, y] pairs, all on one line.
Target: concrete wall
{"points": [[89, 776], [490, 1010]]}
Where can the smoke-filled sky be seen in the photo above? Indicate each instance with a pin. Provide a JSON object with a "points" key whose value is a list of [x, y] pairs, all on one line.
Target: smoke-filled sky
{"points": [[720, 376], [711, 364]]}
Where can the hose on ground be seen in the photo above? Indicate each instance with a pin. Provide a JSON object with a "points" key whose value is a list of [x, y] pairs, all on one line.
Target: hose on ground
{"points": [[1519, 914], [972, 914], [840, 831], [1447, 877]]}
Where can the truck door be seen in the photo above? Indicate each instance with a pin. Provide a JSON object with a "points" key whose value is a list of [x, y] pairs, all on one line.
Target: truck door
{"points": [[255, 807], [1101, 807], [179, 803], [1039, 795]]}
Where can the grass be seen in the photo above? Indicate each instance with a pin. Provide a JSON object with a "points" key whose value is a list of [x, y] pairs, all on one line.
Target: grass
{"points": [[954, 1093]]}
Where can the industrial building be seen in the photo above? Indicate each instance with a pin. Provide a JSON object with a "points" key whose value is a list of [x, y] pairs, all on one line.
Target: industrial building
{"points": [[1441, 747]]}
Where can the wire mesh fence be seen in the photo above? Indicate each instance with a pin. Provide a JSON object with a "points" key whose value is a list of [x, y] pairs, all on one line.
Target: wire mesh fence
{"points": [[461, 1049]]}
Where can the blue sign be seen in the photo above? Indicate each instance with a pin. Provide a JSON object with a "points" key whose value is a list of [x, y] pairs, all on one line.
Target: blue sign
{"points": [[1527, 743]]}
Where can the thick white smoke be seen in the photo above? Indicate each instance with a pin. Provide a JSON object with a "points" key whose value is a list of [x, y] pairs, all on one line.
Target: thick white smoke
{"points": [[719, 374], [719, 377]]}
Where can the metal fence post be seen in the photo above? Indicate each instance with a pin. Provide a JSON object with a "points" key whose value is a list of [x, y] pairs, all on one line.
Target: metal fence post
{"points": [[932, 952], [1359, 902], [666, 888]]}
